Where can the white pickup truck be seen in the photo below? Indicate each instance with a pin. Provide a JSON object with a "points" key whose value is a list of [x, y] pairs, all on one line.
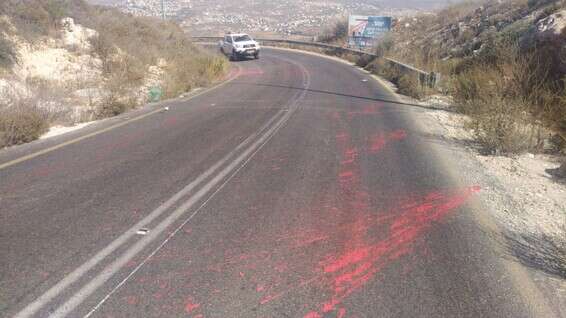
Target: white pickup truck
{"points": [[239, 45]]}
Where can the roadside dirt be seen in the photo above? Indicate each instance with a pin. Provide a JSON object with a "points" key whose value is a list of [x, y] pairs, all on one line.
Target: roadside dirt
{"points": [[526, 201]]}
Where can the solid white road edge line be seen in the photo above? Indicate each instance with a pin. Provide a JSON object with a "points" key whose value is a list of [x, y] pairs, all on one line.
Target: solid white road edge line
{"points": [[74, 276], [179, 228], [123, 260], [58, 288]]}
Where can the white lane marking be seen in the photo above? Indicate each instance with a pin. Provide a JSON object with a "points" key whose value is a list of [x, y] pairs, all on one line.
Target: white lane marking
{"points": [[58, 288], [179, 228], [123, 260], [143, 231], [74, 276]]}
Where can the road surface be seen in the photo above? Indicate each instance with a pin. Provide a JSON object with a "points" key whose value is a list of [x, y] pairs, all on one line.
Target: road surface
{"points": [[300, 188]]}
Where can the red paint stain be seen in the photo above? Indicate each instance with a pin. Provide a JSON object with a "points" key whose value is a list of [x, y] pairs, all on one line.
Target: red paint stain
{"points": [[252, 72], [380, 140], [350, 270], [367, 110], [340, 260], [191, 306], [132, 300]]}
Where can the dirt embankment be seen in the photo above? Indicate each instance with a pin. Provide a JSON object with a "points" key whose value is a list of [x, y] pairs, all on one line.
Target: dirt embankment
{"points": [[66, 62]]}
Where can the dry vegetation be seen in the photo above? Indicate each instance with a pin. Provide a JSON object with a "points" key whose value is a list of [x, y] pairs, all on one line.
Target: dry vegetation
{"points": [[511, 84], [127, 47], [21, 124], [337, 33]]}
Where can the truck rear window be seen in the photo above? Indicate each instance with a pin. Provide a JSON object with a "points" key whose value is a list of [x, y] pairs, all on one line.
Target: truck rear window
{"points": [[242, 38]]}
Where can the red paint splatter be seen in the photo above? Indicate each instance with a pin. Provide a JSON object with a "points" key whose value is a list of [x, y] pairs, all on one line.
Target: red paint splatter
{"points": [[352, 246], [252, 72], [132, 300], [353, 268], [191, 306], [380, 140], [367, 110]]}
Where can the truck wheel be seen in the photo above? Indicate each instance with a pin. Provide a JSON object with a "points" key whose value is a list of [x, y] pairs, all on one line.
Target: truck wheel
{"points": [[234, 56], [256, 56]]}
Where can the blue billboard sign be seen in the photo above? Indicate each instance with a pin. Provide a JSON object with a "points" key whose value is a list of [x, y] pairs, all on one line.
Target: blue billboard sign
{"points": [[363, 31]]}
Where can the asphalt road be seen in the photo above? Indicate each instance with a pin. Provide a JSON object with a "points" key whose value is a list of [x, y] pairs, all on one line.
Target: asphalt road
{"points": [[298, 189]]}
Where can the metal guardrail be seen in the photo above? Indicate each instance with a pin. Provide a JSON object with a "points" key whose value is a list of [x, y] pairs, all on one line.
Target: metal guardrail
{"points": [[425, 78]]}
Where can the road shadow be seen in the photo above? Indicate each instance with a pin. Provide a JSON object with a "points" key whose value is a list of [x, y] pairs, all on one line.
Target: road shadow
{"points": [[377, 98], [538, 251], [453, 142], [557, 175]]}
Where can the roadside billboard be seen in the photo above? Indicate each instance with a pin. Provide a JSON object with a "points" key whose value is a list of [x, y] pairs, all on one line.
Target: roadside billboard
{"points": [[363, 31]]}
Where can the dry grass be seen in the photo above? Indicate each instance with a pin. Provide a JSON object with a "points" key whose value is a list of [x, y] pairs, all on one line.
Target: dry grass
{"points": [[337, 33], [21, 123], [7, 53], [407, 84], [127, 47], [511, 98]]}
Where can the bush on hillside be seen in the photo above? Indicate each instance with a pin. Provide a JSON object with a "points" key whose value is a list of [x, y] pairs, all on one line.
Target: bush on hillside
{"points": [[522, 83], [143, 41], [7, 53], [385, 45], [337, 33], [21, 123], [409, 85], [186, 73], [36, 18], [127, 47]]}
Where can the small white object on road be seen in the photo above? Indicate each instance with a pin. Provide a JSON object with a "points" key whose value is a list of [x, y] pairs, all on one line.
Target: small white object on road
{"points": [[143, 231], [166, 108], [365, 80]]}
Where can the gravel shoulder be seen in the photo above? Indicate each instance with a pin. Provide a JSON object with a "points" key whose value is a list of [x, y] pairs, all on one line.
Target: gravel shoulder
{"points": [[528, 205]]}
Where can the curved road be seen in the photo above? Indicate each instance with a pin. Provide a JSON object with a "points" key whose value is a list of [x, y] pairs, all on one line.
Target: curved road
{"points": [[297, 189]]}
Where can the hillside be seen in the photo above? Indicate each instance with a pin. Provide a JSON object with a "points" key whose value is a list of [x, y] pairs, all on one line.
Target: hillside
{"points": [[263, 17], [63, 62], [504, 64]]}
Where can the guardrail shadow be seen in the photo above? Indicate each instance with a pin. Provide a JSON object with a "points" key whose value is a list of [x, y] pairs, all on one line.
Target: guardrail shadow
{"points": [[378, 98]]}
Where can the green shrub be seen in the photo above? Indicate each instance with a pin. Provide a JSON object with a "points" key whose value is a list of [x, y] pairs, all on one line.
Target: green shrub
{"points": [[21, 124]]}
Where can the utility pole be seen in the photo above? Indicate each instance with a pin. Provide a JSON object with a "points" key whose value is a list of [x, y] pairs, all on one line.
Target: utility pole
{"points": [[163, 9]]}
